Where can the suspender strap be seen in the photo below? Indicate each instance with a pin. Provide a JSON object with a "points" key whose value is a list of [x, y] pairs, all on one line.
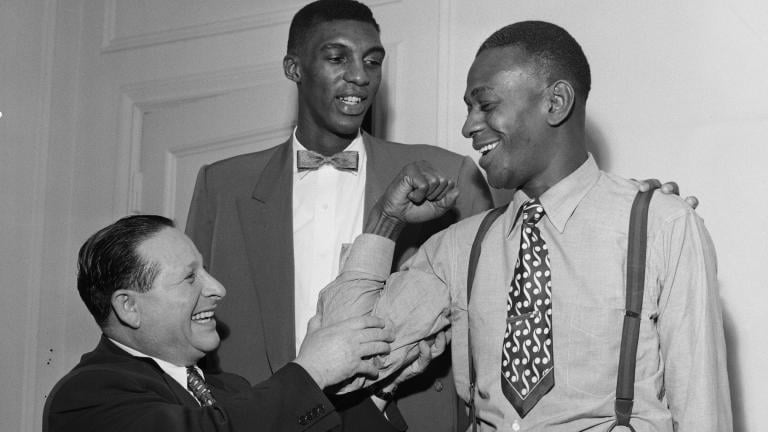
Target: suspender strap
{"points": [[636, 250], [474, 256]]}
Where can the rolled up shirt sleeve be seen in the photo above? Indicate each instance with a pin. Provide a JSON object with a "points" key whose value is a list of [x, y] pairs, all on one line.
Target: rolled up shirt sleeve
{"points": [[415, 300]]}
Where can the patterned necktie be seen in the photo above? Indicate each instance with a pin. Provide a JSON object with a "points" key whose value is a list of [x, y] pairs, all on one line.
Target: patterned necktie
{"points": [[307, 160], [196, 384], [527, 360]]}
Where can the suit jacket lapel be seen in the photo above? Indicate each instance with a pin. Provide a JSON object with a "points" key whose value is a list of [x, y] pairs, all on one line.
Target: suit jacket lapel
{"points": [[182, 395], [265, 218], [377, 177]]}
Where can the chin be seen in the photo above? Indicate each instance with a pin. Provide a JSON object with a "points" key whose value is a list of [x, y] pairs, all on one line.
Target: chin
{"points": [[348, 125], [208, 344], [497, 181]]}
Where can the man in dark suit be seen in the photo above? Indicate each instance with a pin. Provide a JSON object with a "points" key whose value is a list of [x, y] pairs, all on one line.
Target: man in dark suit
{"points": [[275, 231], [144, 282]]}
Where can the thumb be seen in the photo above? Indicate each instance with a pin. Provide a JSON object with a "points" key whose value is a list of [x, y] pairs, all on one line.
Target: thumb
{"points": [[449, 200]]}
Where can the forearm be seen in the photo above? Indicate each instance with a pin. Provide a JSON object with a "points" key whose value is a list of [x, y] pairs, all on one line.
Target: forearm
{"points": [[382, 225]]}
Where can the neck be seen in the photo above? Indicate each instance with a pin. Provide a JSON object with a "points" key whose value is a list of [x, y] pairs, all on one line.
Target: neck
{"points": [[570, 155], [324, 142], [538, 186]]}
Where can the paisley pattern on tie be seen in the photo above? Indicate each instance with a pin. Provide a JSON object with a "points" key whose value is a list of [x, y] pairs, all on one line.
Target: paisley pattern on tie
{"points": [[307, 160], [196, 384], [527, 362]]}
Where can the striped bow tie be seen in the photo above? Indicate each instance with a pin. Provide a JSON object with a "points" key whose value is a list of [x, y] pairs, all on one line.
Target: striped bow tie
{"points": [[307, 160]]}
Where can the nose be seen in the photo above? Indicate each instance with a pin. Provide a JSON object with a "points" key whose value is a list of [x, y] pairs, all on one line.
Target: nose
{"points": [[473, 124], [212, 287], [356, 73]]}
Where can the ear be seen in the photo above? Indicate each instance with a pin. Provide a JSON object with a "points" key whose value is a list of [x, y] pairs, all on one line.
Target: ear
{"points": [[560, 104], [291, 68], [126, 307]]}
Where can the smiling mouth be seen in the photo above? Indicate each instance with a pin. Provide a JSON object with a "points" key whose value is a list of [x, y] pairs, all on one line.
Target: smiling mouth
{"points": [[203, 317], [350, 100], [484, 150]]}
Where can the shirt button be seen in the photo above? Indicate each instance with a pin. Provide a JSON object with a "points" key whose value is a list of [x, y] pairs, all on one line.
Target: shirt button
{"points": [[515, 426], [438, 386]]}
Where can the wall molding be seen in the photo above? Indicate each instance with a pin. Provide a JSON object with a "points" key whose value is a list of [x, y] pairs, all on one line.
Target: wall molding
{"points": [[139, 98], [32, 402], [113, 43]]}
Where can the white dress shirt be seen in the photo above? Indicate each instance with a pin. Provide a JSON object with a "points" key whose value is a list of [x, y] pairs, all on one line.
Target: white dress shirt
{"points": [[178, 373], [328, 207]]}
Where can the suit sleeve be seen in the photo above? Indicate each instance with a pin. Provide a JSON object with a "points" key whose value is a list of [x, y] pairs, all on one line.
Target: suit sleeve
{"points": [[199, 219], [475, 196]]}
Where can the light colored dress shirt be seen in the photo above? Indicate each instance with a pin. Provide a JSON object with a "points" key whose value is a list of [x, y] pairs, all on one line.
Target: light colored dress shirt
{"points": [[328, 206], [178, 373], [681, 381]]}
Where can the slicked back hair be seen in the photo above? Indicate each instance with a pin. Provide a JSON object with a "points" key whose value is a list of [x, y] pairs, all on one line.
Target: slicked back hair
{"points": [[109, 261], [322, 11], [555, 54]]}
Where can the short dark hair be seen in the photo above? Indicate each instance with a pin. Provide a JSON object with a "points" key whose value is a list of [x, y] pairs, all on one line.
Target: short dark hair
{"points": [[555, 52], [109, 260], [322, 11]]}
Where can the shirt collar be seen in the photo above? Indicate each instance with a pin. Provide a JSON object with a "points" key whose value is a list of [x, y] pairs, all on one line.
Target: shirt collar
{"points": [[560, 200], [355, 145], [178, 373]]}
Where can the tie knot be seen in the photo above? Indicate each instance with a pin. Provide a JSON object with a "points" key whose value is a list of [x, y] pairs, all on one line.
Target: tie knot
{"points": [[533, 211], [307, 160]]}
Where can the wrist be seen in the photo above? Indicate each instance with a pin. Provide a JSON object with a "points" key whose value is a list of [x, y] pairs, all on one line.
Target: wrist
{"points": [[385, 226], [316, 376], [385, 393]]}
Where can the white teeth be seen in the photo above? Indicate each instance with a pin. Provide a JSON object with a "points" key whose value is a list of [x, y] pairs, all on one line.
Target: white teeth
{"points": [[202, 316], [351, 100], [486, 148]]}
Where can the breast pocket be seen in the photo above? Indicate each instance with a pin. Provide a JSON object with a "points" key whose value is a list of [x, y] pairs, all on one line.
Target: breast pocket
{"points": [[594, 338]]}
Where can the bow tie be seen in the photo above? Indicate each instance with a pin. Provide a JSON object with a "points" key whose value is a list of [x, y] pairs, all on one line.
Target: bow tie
{"points": [[307, 160]]}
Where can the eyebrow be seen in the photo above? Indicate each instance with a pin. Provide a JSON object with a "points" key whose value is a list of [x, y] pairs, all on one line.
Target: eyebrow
{"points": [[476, 92], [339, 45], [479, 91], [189, 268]]}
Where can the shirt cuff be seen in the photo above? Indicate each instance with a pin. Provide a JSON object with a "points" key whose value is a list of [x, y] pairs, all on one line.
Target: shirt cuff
{"points": [[371, 254]]}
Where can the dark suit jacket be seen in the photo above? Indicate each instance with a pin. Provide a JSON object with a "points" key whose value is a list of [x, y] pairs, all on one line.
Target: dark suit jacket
{"points": [[241, 221], [110, 390]]}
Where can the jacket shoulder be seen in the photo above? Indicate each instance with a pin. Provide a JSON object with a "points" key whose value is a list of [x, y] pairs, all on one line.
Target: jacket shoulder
{"points": [[239, 173], [242, 162], [413, 152]]}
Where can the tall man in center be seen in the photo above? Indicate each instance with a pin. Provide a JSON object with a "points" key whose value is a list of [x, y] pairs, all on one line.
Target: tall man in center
{"points": [[274, 225]]}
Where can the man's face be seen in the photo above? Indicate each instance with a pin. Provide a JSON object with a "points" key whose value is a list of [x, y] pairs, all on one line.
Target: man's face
{"points": [[339, 72], [177, 318], [506, 118]]}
